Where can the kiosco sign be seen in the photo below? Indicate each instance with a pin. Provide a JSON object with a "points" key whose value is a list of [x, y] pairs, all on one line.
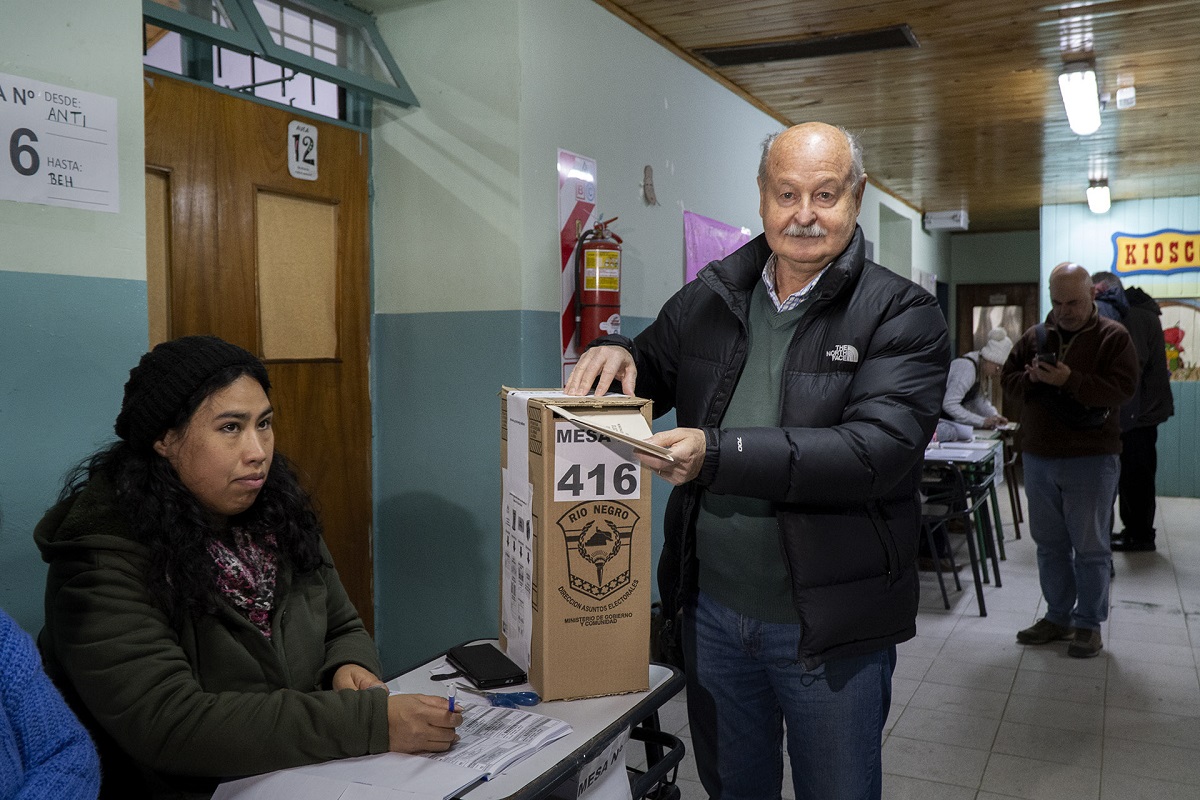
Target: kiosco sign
{"points": [[1160, 253]]}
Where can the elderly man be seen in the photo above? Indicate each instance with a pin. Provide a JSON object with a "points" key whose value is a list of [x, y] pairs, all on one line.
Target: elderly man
{"points": [[1073, 372], [806, 381]]}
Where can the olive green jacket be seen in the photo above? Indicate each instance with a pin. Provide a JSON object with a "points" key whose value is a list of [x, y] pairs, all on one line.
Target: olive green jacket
{"points": [[175, 710]]}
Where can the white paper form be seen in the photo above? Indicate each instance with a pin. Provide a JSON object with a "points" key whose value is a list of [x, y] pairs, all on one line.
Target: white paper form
{"points": [[493, 738]]}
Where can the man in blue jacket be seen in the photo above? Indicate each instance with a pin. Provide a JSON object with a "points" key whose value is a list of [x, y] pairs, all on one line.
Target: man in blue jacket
{"points": [[806, 382]]}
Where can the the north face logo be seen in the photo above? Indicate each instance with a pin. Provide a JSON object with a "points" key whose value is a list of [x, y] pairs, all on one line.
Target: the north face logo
{"points": [[844, 352], [598, 534]]}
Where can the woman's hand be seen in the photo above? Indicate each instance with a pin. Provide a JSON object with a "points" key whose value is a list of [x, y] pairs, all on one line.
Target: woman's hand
{"points": [[421, 723], [354, 676]]}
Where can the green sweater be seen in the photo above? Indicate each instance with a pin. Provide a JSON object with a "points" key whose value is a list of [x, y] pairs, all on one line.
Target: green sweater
{"points": [[737, 538], [179, 709]]}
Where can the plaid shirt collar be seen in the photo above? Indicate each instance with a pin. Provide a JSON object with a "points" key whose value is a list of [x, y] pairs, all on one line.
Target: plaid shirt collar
{"points": [[792, 300]]}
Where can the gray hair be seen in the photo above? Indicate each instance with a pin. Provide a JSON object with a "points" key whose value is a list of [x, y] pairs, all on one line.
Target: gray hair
{"points": [[1107, 279], [856, 155]]}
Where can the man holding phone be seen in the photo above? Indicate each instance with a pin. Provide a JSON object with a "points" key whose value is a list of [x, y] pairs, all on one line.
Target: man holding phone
{"points": [[1072, 372]]}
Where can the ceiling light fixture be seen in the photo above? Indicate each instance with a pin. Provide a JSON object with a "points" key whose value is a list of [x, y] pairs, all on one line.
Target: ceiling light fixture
{"points": [[1098, 197], [1080, 96]]}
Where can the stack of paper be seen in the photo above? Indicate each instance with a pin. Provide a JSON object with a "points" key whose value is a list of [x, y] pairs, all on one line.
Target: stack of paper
{"points": [[495, 738], [491, 739]]}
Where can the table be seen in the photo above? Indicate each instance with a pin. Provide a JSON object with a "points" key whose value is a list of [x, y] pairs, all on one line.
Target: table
{"points": [[1012, 469], [596, 722], [976, 463], [975, 458]]}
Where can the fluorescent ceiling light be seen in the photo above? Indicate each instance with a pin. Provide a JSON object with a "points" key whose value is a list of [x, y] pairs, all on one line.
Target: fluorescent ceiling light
{"points": [[1098, 197], [1081, 98]]}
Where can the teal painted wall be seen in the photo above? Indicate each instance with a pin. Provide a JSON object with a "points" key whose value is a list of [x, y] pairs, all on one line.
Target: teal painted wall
{"points": [[1178, 457], [437, 379], [66, 347], [72, 283]]}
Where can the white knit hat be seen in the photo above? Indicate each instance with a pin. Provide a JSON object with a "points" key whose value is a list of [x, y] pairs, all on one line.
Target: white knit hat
{"points": [[997, 347]]}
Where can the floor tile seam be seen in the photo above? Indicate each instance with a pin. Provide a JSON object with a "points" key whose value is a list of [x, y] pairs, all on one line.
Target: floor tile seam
{"points": [[1097, 770], [894, 735], [1117, 701], [923, 779], [1174, 685], [1035, 696], [1007, 691], [1007, 695], [998, 720], [1159, 778], [1117, 737]]}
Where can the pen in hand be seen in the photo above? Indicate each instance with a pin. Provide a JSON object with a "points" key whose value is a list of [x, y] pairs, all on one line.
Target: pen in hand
{"points": [[450, 697]]}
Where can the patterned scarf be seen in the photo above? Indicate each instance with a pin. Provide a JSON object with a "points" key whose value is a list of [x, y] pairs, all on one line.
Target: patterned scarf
{"points": [[246, 576]]}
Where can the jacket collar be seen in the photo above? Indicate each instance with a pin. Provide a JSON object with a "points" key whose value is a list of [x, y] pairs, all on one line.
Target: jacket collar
{"points": [[738, 272]]}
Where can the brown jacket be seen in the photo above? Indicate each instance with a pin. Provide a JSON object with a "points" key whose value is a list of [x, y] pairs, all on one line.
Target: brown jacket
{"points": [[1104, 372]]}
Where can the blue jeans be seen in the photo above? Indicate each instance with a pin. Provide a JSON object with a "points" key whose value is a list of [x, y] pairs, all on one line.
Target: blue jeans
{"points": [[1070, 519], [744, 681]]}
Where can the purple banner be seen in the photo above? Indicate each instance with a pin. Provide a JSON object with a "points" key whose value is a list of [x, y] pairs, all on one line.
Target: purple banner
{"points": [[706, 240]]}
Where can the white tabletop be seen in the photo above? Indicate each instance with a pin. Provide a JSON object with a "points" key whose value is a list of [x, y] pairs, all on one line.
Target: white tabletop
{"points": [[594, 722]]}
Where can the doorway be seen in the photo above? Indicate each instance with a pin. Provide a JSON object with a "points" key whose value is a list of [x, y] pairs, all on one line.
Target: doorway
{"points": [[240, 248], [979, 307]]}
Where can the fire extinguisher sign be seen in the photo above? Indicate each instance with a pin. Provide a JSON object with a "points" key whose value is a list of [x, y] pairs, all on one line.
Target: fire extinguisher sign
{"points": [[576, 208]]}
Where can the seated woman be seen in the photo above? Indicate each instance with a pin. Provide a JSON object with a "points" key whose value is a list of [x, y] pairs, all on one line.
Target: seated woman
{"points": [[193, 615]]}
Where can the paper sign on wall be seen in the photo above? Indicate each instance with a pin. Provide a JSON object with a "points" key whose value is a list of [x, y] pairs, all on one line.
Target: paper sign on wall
{"points": [[60, 146]]}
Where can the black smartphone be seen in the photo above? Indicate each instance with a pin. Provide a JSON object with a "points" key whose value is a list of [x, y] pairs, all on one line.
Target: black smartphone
{"points": [[485, 665], [1048, 358]]}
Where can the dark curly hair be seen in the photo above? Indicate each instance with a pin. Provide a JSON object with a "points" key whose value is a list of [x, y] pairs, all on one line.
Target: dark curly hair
{"points": [[165, 516]]}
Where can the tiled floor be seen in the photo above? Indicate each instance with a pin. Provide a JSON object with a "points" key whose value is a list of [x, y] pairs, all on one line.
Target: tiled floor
{"points": [[976, 716]]}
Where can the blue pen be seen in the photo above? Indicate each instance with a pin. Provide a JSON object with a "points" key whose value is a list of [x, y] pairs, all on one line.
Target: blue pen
{"points": [[450, 697]]}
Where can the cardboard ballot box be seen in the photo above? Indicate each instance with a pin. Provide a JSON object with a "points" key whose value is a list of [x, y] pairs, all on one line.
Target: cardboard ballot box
{"points": [[575, 560]]}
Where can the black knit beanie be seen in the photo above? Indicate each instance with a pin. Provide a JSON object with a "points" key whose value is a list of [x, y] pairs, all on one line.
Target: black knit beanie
{"points": [[160, 385]]}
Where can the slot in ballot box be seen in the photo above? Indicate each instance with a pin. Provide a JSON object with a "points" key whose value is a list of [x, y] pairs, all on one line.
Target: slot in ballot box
{"points": [[575, 551]]}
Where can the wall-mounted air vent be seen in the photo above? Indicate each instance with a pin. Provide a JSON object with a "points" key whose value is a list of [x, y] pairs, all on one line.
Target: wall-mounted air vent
{"points": [[812, 47]]}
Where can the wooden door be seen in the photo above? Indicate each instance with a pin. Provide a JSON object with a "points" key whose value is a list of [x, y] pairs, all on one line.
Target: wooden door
{"points": [[279, 265], [983, 306]]}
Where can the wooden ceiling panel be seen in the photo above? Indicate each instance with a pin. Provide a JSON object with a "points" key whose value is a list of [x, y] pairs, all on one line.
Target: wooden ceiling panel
{"points": [[973, 117]]}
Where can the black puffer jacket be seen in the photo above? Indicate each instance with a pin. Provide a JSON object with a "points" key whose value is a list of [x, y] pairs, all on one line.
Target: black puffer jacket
{"points": [[863, 385], [1156, 404]]}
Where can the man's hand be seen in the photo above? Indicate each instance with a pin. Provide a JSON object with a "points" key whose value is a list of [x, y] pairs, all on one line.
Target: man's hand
{"points": [[994, 421], [608, 363], [421, 723], [353, 676], [1053, 374], [687, 447]]}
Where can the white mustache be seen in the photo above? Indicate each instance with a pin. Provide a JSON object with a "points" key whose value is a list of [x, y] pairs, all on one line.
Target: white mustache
{"points": [[809, 231]]}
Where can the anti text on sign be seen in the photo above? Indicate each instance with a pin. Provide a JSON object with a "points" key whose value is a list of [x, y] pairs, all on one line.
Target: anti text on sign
{"points": [[59, 146]]}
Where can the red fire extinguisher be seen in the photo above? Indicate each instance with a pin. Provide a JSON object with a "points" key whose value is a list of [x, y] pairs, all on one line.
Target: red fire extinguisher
{"points": [[598, 282]]}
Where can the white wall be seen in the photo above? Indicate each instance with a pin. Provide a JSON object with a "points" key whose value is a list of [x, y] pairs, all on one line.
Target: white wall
{"points": [[94, 47], [466, 185], [616, 96], [447, 222]]}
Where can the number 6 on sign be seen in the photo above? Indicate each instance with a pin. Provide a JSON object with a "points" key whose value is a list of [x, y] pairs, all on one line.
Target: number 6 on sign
{"points": [[590, 466]]}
